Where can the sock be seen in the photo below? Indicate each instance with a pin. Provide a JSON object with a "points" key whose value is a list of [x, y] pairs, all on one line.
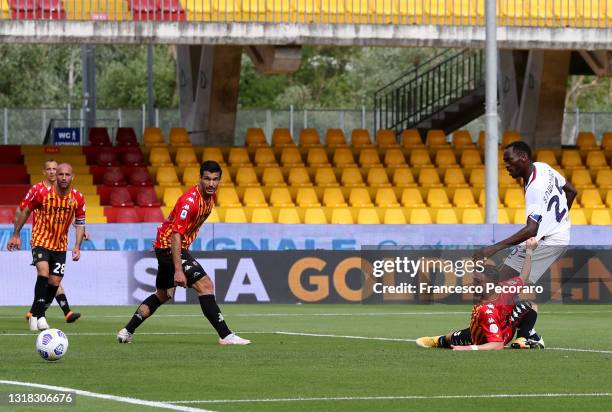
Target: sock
{"points": [[213, 314], [526, 325], [443, 343], [153, 303], [51, 291], [62, 301], [40, 297]]}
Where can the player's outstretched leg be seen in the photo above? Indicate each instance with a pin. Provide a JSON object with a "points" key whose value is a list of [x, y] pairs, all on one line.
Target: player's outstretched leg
{"points": [[523, 318], [457, 338], [146, 309], [204, 287], [37, 320], [62, 301]]}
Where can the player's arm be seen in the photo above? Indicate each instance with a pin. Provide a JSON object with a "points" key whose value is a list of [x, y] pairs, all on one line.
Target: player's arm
{"points": [[175, 246], [79, 225], [484, 346], [15, 242], [528, 231], [570, 193], [531, 245]]}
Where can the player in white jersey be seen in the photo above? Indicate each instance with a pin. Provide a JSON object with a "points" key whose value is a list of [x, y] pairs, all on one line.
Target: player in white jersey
{"points": [[548, 199]]}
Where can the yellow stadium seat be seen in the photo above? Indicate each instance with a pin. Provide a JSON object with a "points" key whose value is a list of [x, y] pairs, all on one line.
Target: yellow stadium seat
{"points": [[325, 177], [166, 176], [596, 160], [420, 216], [213, 217], [160, 156], [213, 153], [437, 197], [343, 157], [152, 136], [504, 178], [351, 177], [4, 9], [590, 198], [453, 177], [288, 216], [335, 138], [112, 10], [606, 138], [502, 217], [581, 178], [185, 156], [356, 11], [514, 198], [411, 197], [307, 197], [360, 197], [171, 195], [462, 139], [470, 158], [309, 137], [264, 157], [586, 140], [604, 178], [298, 176], [262, 215], [577, 217], [280, 197], [377, 177], [472, 217], [411, 138], [360, 138], [394, 158], [571, 159], [368, 216], [341, 216], [368, 157], [282, 137], [428, 177], [464, 197], [477, 177], [227, 197], [315, 216], [255, 137], [519, 217], [385, 197], [290, 156], [235, 215], [609, 199], [246, 176], [436, 138], [386, 138], [254, 197], [394, 216], [333, 197], [273, 177], [601, 217], [179, 137], [226, 178], [445, 158], [403, 178], [239, 156], [510, 136], [191, 175], [419, 158], [546, 156], [317, 157]]}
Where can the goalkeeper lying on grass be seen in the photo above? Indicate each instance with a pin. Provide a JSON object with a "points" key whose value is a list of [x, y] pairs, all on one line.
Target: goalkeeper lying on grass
{"points": [[496, 317]]}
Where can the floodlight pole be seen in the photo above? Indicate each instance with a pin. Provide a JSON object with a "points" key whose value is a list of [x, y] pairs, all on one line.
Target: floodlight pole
{"points": [[491, 131]]}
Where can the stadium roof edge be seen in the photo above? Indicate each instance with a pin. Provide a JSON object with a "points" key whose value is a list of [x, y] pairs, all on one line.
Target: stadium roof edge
{"points": [[98, 32]]}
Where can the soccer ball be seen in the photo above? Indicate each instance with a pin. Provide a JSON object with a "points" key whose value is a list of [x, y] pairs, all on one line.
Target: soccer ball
{"points": [[52, 344]]}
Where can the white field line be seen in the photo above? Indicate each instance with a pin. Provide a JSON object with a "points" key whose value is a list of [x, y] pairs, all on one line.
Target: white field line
{"points": [[138, 334], [401, 397], [123, 399]]}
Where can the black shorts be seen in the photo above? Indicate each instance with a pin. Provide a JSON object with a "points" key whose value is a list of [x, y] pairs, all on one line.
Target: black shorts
{"points": [[56, 259], [165, 269]]}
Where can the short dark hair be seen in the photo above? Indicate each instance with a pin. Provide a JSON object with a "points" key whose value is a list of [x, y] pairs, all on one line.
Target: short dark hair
{"points": [[492, 273], [520, 147], [210, 166]]}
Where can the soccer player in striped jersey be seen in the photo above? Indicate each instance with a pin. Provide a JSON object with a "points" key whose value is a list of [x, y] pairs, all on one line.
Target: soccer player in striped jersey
{"points": [[176, 266], [57, 208], [49, 171], [495, 318]]}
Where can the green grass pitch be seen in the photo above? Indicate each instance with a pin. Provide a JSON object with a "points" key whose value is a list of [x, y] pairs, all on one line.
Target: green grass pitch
{"points": [[175, 359]]}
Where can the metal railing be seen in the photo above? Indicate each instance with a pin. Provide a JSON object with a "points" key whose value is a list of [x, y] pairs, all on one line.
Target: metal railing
{"points": [[524, 13], [428, 89]]}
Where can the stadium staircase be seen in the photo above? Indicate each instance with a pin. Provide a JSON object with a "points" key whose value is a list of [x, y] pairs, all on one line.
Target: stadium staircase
{"points": [[446, 92]]}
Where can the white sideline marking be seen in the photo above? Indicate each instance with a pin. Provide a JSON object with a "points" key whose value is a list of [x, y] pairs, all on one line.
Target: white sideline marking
{"points": [[134, 401], [138, 334], [406, 397]]}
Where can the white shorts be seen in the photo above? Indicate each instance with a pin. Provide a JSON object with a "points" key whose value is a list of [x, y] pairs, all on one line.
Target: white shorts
{"points": [[548, 251]]}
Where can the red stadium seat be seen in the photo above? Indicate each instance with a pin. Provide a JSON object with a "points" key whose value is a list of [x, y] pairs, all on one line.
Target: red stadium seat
{"points": [[124, 215], [13, 194], [114, 177], [139, 176], [120, 197], [98, 136], [7, 214], [126, 137], [11, 154], [167, 10], [14, 174], [38, 9], [132, 157], [107, 157], [151, 214], [146, 197]]}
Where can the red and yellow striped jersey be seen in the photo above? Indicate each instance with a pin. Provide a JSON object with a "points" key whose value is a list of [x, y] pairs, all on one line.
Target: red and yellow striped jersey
{"points": [[35, 188], [489, 324], [54, 216], [190, 211]]}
